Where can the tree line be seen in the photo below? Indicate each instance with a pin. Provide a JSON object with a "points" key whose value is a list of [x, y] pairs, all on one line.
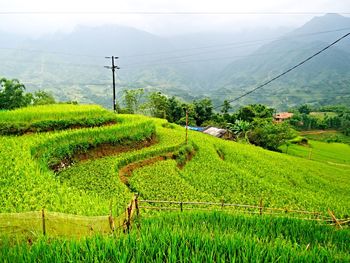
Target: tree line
{"points": [[13, 95], [329, 117], [252, 123]]}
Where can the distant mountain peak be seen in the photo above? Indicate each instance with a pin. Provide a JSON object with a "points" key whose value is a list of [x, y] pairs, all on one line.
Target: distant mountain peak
{"points": [[329, 21]]}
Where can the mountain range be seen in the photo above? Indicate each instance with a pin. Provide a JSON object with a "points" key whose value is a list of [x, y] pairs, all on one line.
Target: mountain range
{"points": [[219, 65]]}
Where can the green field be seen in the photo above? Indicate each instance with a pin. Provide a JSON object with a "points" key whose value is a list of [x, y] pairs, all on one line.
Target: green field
{"points": [[322, 115], [195, 237], [53, 117], [81, 172], [330, 153], [326, 136]]}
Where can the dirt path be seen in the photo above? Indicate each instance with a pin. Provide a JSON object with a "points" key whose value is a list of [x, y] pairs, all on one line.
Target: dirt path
{"points": [[317, 132]]}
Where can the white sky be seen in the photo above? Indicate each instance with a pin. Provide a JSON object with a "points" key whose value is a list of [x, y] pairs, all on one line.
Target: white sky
{"points": [[36, 24]]}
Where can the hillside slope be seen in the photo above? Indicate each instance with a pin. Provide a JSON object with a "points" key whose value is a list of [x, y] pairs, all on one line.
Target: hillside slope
{"points": [[218, 170], [323, 80]]}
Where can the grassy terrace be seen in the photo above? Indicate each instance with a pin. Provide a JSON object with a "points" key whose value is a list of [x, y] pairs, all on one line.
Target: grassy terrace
{"points": [[239, 174], [53, 117], [194, 237]]}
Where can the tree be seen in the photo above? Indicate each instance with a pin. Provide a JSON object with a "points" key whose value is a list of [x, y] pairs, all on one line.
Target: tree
{"points": [[158, 104], [12, 94], [271, 135], [203, 110], [240, 128], [306, 109], [226, 107], [250, 112], [41, 97], [175, 111], [132, 99]]}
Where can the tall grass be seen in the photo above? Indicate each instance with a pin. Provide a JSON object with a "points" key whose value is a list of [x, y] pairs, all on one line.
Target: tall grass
{"points": [[53, 117], [195, 237]]}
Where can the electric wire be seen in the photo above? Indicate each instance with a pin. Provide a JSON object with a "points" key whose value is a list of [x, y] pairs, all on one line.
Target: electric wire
{"points": [[288, 70]]}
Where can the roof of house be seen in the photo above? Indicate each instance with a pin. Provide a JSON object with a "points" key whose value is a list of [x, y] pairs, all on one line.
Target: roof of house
{"points": [[217, 132], [283, 115]]}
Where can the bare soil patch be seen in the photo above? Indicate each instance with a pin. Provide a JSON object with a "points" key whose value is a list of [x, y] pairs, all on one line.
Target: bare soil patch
{"points": [[101, 151]]}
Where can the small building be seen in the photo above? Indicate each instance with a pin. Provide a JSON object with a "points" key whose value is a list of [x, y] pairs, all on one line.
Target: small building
{"points": [[219, 133], [282, 116]]}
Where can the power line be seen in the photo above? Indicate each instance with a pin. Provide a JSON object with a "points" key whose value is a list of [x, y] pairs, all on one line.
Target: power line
{"points": [[256, 41], [214, 58], [288, 70], [51, 52], [64, 84], [66, 64], [224, 46], [103, 12], [220, 50]]}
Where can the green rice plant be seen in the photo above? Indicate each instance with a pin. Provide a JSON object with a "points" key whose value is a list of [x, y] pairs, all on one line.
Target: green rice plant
{"points": [[64, 145], [194, 237], [332, 153], [237, 173], [244, 174], [53, 117]]}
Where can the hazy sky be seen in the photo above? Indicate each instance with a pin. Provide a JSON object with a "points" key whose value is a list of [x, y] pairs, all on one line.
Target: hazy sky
{"points": [[70, 13]]}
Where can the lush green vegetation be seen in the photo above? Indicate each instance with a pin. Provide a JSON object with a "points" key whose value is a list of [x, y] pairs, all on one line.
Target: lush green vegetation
{"points": [[332, 117], [12, 95], [326, 136], [219, 169], [246, 174], [53, 117], [333, 153], [207, 169], [195, 237], [28, 184]]}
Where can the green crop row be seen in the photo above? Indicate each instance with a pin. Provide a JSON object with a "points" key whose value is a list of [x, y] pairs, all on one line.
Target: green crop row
{"points": [[53, 117], [219, 170], [27, 184], [85, 188], [195, 237], [248, 173], [334, 153], [244, 174], [100, 176], [63, 146]]}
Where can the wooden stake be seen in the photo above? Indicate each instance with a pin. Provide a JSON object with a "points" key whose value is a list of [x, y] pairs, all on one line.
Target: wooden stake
{"points": [[137, 205], [43, 219], [310, 153], [186, 126], [128, 222], [335, 220], [261, 206], [181, 206], [110, 218]]}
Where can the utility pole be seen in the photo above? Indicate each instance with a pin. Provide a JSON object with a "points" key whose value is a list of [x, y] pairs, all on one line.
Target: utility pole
{"points": [[186, 126], [113, 68]]}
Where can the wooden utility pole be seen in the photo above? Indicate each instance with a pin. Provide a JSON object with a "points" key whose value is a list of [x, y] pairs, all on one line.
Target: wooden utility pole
{"points": [[310, 153], [186, 126], [113, 67], [43, 219], [261, 206]]}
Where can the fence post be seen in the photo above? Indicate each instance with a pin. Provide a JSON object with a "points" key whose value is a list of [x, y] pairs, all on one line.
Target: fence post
{"points": [[181, 206], [110, 218], [43, 220], [128, 221], [335, 220], [137, 204], [310, 153], [261, 206], [222, 203]]}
